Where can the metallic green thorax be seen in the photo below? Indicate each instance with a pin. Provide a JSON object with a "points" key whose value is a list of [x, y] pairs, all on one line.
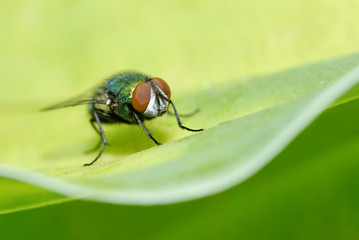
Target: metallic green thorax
{"points": [[116, 96]]}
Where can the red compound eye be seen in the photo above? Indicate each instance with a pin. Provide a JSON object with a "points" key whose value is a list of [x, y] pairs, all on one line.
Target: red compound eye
{"points": [[141, 97], [162, 85]]}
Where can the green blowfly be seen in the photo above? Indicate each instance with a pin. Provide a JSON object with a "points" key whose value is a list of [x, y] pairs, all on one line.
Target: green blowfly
{"points": [[128, 98]]}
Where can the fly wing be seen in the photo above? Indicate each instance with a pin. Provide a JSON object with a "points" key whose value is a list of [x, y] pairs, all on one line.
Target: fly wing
{"points": [[84, 98]]}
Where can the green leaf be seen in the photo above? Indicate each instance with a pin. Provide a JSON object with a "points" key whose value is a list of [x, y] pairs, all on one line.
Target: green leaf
{"points": [[247, 124], [17, 196], [308, 189]]}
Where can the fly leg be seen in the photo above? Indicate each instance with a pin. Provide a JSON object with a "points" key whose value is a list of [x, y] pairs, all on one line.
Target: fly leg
{"points": [[184, 115], [101, 132], [178, 117], [146, 130], [92, 121]]}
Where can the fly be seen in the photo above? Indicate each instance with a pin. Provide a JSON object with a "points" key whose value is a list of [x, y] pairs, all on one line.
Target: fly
{"points": [[129, 98]]}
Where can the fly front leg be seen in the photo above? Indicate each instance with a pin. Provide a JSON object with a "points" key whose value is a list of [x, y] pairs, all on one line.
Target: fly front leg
{"points": [[146, 130], [102, 134], [178, 117], [186, 114]]}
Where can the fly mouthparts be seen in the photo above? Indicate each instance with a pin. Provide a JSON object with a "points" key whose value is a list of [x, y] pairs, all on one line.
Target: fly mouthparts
{"points": [[160, 113]]}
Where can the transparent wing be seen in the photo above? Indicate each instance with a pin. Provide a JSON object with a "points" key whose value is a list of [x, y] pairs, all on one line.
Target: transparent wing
{"points": [[85, 98]]}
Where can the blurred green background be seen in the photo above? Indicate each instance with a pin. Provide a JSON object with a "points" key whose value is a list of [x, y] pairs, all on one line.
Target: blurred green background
{"points": [[51, 50], [67, 46]]}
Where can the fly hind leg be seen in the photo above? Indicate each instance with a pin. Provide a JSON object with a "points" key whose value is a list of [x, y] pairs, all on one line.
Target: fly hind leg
{"points": [[92, 121], [102, 133]]}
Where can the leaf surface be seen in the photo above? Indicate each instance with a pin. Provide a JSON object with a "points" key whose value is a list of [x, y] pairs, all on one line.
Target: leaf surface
{"points": [[247, 124]]}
